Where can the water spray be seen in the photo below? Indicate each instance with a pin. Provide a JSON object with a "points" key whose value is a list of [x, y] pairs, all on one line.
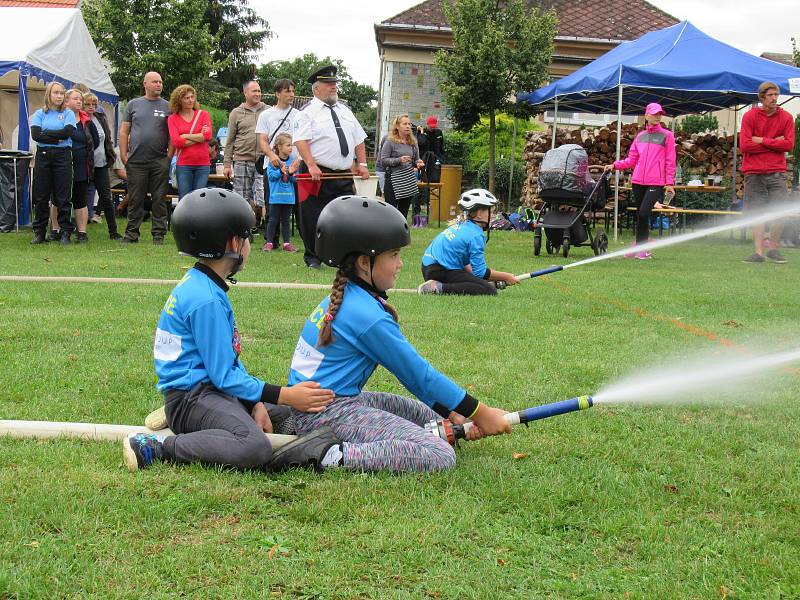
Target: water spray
{"points": [[780, 211]]}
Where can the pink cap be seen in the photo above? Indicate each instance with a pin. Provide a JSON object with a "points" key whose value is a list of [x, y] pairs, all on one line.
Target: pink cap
{"points": [[432, 121], [654, 108]]}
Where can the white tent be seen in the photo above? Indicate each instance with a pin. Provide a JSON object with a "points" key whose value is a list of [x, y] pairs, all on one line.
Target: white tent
{"points": [[40, 45]]}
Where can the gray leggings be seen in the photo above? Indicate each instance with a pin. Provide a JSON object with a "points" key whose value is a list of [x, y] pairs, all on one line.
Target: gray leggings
{"points": [[381, 431], [215, 428]]}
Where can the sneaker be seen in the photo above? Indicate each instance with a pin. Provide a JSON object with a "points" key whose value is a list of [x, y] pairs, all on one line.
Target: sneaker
{"points": [[429, 287], [776, 257], [289, 247], [114, 236], [64, 240], [631, 254], [644, 255], [156, 420], [96, 219], [314, 264], [54, 235], [140, 450], [127, 240], [39, 238], [755, 258], [268, 247], [158, 241], [306, 451], [81, 237]]}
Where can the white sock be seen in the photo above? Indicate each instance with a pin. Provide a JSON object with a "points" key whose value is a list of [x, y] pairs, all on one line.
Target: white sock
{"points": [[333, 457]]}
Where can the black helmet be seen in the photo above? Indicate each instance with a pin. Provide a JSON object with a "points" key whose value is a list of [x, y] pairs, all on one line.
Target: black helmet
{"points": [[206, 219], [351, 224]]}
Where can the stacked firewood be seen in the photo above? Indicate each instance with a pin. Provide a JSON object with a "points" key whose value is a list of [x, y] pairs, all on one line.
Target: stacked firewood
{"points": [[700, 154]]}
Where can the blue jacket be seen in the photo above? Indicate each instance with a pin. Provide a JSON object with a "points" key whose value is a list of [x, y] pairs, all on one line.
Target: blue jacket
{"points": [[280, 191], [365, 335], [197, 341], [460, 244]]}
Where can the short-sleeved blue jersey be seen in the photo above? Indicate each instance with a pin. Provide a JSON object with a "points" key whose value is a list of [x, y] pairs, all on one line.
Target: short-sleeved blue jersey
{"points": [[54, 120], [459, 245]]}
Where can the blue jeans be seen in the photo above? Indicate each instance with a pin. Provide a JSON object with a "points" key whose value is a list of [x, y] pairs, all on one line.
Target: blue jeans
{"points": [[191, 178]]}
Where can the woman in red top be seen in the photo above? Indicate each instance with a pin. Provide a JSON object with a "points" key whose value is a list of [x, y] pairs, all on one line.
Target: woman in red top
{"points": [[189, 133]]}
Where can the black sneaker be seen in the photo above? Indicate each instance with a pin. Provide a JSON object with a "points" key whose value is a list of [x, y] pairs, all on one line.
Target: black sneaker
{"points": [[158, 241], [126, 240], [306, 451], [114, 236], [140, 450], [81, 237], [64, 241], [754, 258], [314, 264], [39, 238], [776, 257], [54, 235]]}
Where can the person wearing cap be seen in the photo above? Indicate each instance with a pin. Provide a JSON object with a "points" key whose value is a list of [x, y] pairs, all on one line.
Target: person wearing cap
{"points": [[767, 135], [217, 410], [431, 138], [652, 157], [329, 140], [354, 330]]}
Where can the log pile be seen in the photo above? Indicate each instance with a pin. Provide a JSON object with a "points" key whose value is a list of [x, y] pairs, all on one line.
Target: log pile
{"points": [[701, 154]]}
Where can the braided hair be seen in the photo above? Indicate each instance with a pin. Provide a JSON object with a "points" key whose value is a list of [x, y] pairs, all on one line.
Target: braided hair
{"points": [[345, 272]]}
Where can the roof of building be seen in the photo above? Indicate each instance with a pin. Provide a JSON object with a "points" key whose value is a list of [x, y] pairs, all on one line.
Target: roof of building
{"points": [[41, 3], [589, 19], [786, 59]]}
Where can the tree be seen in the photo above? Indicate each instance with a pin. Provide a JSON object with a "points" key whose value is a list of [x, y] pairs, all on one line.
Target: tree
{"points": [[499, 49], [239, 34], [359, 96]]}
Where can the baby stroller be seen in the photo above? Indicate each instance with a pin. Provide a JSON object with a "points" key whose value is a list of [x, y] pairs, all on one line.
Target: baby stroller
{"points": [[568, 192]]}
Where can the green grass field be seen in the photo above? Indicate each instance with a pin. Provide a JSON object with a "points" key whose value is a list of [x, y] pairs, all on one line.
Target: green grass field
{"points": [[687, 501]]}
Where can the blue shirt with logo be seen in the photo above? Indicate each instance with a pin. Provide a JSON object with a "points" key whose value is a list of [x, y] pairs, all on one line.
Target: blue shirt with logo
{"points": [[54, 120], [459, 245], [365, 335]]}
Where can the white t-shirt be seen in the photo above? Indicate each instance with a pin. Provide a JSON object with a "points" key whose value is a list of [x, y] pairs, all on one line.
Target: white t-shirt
{"points": [[315, 124], [269, 120]]}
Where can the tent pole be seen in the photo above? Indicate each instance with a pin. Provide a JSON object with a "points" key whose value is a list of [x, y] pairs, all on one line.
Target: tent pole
{"points": [[616, 173], [23, 143], [734, 199], [513, 160], [555, 122]]}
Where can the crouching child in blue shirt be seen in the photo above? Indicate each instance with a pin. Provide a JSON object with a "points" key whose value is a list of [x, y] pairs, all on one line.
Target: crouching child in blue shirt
{"points": [[217, 410], [354, 330], [455, 261]]}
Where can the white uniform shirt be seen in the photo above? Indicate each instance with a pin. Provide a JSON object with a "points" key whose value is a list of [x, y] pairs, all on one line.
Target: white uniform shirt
{"points": [[315, 125], [269, 120]]}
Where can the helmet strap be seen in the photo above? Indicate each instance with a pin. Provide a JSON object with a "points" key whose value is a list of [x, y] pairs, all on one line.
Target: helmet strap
{"points": [[238, 257]]}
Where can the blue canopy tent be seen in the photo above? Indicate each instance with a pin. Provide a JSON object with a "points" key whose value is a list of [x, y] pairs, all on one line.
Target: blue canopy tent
{"points": [[680, 67], [57, 48]]}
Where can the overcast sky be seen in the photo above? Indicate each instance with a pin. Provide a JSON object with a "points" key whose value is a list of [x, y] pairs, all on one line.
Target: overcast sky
{"points": [[345, 29]]}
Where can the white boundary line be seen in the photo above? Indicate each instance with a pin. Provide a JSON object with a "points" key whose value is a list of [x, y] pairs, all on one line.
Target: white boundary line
{"points": [[245, 284]]}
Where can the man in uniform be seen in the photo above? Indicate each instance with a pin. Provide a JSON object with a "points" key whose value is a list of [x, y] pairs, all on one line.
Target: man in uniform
{"points": [[328, 138]]}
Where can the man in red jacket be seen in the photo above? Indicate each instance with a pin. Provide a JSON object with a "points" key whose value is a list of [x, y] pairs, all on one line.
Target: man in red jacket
{"points": [[767, 135]]}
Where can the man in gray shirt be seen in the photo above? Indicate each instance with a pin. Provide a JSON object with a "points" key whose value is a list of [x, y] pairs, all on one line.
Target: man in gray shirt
{"points": [[143, 141]]}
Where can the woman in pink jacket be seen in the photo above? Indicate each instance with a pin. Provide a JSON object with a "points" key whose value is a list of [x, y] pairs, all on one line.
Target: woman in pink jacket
{"points": [[652, 157]]}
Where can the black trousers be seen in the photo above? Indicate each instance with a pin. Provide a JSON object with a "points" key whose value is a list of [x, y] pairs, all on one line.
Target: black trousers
{"points": [[645, 198], [52, 182], [105, 204], [217, 429], [459, 281], [401, 204], [313, 205], [147, 178]]}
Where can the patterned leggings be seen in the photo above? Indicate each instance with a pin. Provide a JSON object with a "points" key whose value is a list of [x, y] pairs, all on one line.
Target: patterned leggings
{"points": [[381, 431]]}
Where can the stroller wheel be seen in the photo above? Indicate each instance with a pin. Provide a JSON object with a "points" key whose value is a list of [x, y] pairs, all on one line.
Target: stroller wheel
{"points": [[550, 248], [565, 247], [537, 244], [601, 243]]}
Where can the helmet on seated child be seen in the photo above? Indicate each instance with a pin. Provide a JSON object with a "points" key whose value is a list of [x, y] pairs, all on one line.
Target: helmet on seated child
{"points": [[355, 224], [207, 218], [476, 198]]}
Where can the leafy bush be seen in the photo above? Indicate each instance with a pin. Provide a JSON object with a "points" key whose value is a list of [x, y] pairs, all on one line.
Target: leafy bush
{"points": [[501, 179], [219, 118], [456, 148], [698, 123]]}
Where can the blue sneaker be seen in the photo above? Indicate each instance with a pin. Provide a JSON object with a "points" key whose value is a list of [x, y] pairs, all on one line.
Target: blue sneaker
{"points": [[140, 450]]}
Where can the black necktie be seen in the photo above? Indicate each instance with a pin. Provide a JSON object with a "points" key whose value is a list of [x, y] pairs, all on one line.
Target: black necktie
{"points": [[339, 132]]}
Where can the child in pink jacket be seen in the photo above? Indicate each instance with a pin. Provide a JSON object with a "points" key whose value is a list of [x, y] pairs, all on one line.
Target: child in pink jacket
{"points": [[652, 157]]}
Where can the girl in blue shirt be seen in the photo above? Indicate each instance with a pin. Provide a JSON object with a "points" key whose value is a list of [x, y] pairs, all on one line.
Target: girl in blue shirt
{"points": [[354, 330], [51, 128], [455, 261], [281, 192]]}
